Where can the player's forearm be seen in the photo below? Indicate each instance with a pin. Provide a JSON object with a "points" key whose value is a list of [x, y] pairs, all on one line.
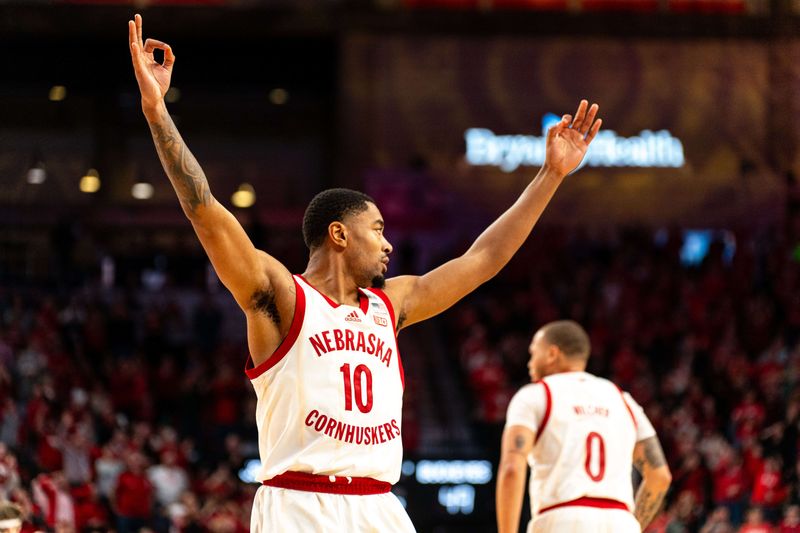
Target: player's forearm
{"points": [[649, 497], [501, 240], [182, 168], [508, 498]]}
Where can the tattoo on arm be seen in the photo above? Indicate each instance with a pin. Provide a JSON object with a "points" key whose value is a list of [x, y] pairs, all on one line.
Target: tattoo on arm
{"points": [[653, 453], [519, 442], [649, 499], [184, 172], [648, 503]]}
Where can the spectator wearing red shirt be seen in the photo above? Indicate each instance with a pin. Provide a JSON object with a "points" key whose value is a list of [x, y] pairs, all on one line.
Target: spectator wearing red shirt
{"points": [[89, 513], [133, 497], [692, 476], [754, 522], [769, 492], [748, 410], [753, 457], [791, 520], [730, 484]]}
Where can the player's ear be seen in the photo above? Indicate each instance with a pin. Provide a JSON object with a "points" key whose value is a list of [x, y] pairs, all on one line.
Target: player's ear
{"points": [[338, 234], [553, 352]]}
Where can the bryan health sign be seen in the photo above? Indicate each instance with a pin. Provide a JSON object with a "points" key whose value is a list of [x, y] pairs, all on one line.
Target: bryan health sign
{"points": [[509, 152]]}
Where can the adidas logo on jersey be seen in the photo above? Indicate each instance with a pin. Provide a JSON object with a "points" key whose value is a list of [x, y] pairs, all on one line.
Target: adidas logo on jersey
{"points": [[352, 317]]}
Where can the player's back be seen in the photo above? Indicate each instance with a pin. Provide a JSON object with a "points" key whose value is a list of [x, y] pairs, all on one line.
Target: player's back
{"points": [[584, 445]]}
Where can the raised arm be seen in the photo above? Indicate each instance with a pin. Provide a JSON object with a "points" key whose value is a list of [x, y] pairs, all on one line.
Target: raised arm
{"points": [[517, 444], [262, 286], [245, 271], [648, 459], [420, 297]]}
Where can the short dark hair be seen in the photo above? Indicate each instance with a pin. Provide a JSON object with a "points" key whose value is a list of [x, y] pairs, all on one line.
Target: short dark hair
{"points": [[10, 511], [570, 338], [331, 205]]}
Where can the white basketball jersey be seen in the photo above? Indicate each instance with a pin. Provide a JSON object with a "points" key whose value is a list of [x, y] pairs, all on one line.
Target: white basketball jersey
{"points": [[330, 398], [586, 429]]}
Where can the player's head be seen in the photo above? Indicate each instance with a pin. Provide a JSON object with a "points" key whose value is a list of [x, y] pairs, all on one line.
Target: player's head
{"points": [[10, 518], [349, 223], [559, 346]]}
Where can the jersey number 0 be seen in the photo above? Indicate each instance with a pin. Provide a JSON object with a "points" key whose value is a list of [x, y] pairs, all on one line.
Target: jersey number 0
{"points": [[601, 456]]}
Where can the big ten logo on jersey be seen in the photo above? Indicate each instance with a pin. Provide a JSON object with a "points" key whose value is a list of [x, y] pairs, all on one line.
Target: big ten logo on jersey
{"points": [[378, 314]]}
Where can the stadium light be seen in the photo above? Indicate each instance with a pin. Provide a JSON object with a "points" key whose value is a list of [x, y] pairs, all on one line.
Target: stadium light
{"points": [[279, 96], [173, 95], [142, 190], [57, 93], [90, 182], [244, 197]]}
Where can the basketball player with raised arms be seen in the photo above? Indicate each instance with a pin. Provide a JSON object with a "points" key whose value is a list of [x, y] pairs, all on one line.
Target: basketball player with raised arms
{"points": [[580, 434], [323, 347]]}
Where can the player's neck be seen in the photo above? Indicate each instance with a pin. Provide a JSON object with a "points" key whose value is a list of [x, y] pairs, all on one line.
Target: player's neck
{"points": [[571, 368], [328, 275]]}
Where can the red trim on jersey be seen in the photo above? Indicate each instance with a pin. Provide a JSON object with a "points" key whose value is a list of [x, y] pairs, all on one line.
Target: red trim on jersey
{"points": [[628, 407], [288, 342], [588, 501], [388, 303], [359, 486], [547, 409], [363, 301]]}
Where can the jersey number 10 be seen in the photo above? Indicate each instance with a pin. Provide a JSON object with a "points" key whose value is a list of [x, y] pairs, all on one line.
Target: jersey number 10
{"points": [[362, 379]]}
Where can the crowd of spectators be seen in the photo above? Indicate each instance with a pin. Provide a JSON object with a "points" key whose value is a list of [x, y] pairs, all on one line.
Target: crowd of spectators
{"points": [[119, 413], [128, 408], [710, 349]]}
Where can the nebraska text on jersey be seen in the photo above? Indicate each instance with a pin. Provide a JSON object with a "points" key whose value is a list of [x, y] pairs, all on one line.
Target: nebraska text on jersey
{"points": [[330, 398], [353, 341]]}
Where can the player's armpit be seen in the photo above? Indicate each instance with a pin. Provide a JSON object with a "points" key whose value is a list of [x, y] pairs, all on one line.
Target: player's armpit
{"points": [[649, 460], [517, 444]]}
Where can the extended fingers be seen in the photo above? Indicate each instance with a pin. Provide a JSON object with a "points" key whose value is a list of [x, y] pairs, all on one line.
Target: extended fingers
{"points": [[131, 32], [580, 116], [138, 19], [594, 130], [588, 122]]}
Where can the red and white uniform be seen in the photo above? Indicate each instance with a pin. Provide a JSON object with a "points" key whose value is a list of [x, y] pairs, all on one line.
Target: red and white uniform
{"points": [[586, 429], [329, 405]]}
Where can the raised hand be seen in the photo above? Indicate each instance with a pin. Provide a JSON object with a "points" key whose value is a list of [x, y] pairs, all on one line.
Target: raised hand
{"points": [[153, 77], [568, 140]]}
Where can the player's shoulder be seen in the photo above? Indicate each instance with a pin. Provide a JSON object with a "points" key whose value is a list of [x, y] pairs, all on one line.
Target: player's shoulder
{"points": [[530, 391], [571, 378]]}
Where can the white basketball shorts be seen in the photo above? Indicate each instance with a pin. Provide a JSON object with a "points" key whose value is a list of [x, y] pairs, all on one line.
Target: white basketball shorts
{"points": [[584, 520], [278, 510]]}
